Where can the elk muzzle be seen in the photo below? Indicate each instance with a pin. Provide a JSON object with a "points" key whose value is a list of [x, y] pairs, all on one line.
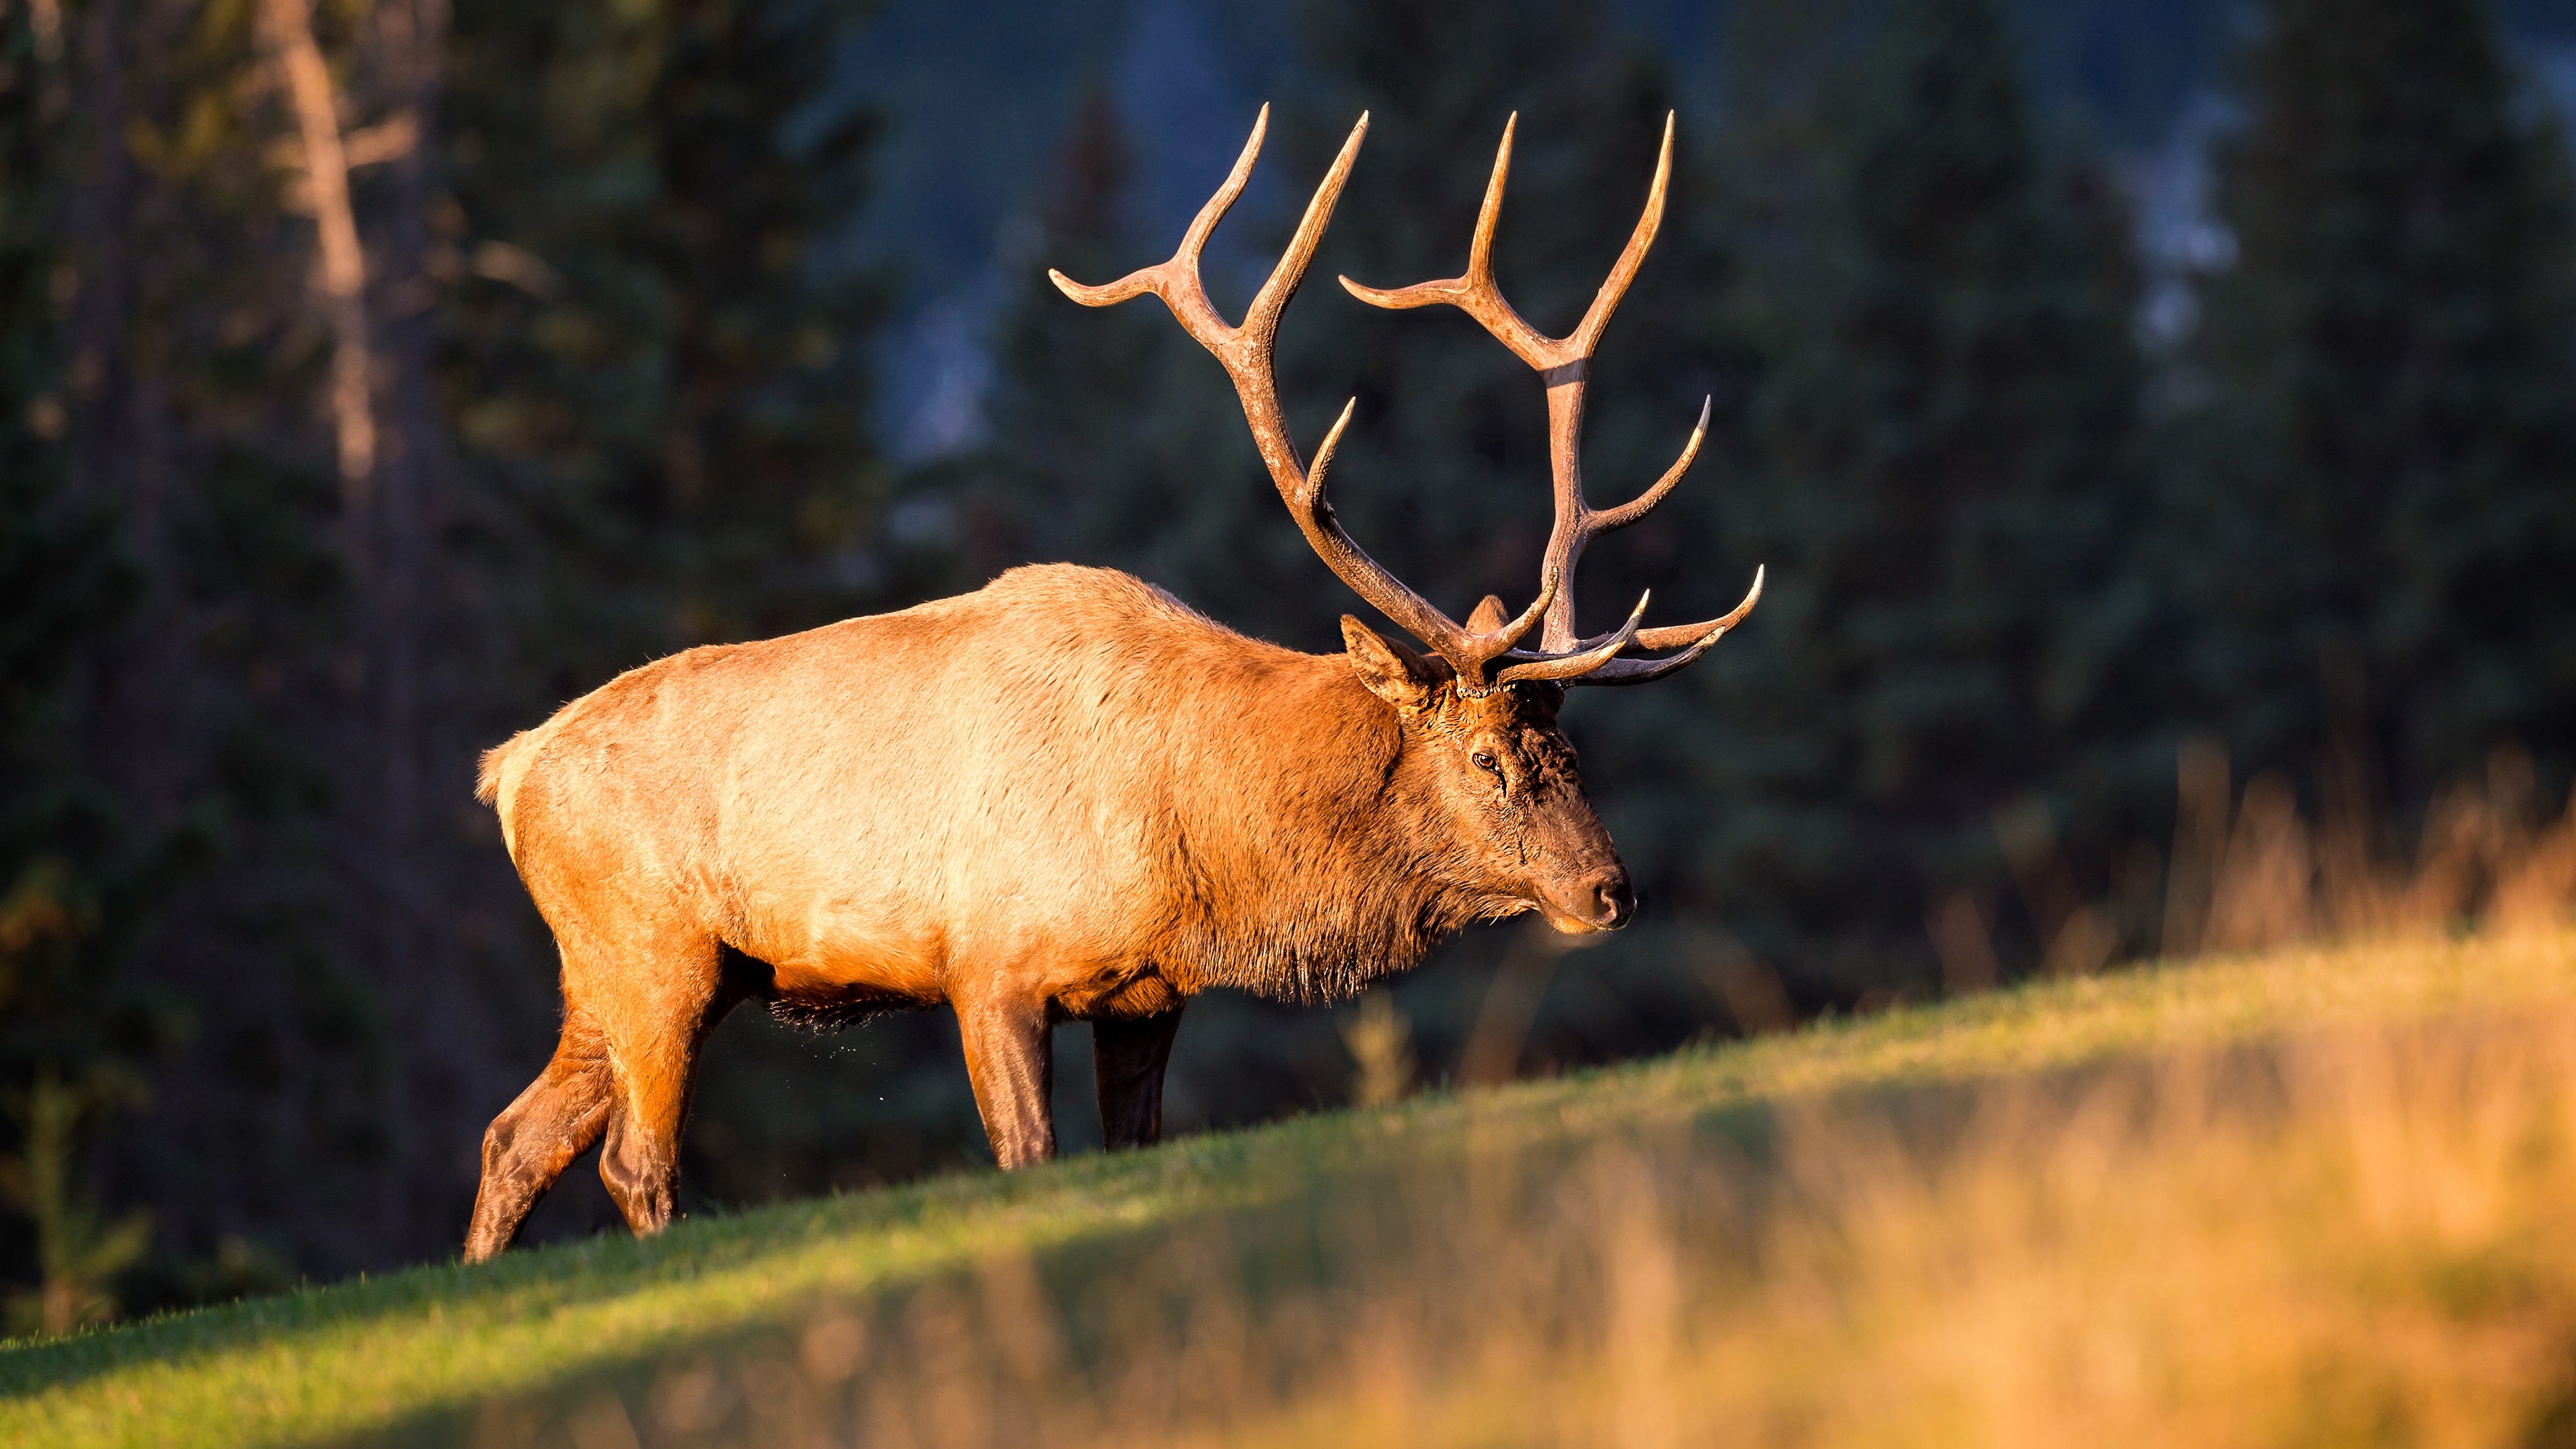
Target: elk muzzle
{"points": [[1601, 900]]}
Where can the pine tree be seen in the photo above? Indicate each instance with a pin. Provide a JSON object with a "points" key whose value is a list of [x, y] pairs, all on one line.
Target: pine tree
{"points": [[1948, 431], [658, 351], [74, 1032], [2386, 527], [1065, 420]]}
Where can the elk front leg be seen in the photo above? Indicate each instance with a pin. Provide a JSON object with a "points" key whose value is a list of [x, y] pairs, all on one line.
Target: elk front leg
{"points": [[1010, 1060], [1127, 1062]]}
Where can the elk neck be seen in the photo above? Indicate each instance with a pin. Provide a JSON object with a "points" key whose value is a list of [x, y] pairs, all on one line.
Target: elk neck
{"points": [[1314, 859]]}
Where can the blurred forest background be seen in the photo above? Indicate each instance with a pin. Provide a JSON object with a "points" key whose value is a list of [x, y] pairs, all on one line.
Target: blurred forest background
{"points": [[2129, 400]]}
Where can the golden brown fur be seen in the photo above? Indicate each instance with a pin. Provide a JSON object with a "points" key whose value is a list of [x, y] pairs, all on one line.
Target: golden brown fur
{"points": [[1063, 795]]}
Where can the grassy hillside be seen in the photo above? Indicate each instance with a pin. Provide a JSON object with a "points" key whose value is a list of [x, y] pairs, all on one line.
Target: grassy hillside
{"points": [[2318, 1194]]}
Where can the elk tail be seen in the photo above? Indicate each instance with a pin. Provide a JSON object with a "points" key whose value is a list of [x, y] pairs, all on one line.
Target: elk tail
{"points": [[496, 762], [503, 766]]}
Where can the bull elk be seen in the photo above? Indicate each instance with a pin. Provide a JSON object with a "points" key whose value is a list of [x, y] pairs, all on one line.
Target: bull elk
{"points": [[1065, 795]]}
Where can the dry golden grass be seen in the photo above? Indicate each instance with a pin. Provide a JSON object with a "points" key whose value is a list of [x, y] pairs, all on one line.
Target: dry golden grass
{"points": [[2357, 1237], [2260, 875]]}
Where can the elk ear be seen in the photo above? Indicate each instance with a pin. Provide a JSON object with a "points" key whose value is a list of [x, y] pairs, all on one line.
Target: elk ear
{"points": [[1392, 672]]}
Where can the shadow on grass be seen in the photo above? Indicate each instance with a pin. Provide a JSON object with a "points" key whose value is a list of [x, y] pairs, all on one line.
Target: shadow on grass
{"points": [[529, 1282], [1320, 1243]]}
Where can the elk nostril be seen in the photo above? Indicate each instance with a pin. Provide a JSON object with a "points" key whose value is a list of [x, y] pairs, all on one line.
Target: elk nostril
{"points": [[1612, 899]]}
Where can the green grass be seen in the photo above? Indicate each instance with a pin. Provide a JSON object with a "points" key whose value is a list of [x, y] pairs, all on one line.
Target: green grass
{"points": [[421, 1347]]}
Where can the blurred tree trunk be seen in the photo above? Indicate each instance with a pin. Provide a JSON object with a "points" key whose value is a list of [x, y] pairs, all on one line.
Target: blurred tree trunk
{"points": [[424, 880], [255, 378], [342, 275]]}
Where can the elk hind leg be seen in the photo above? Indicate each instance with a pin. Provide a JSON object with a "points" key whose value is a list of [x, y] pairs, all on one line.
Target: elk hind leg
{"points": [[656, 1038], [558, 1118], [640, 1162]]}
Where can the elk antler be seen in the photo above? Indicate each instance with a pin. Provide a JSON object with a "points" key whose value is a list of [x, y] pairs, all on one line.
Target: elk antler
{"points": [[1245, 350], [1565, 364]]}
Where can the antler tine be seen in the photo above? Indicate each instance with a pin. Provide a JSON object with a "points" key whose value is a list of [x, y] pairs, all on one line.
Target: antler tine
{"points": [[1572, 668], [1176, 280], [1473, 291], [1367, 577], [1343, 555], [1675, 635], [1488, 645], [1700, 637], [1611, 520], [1632, 256], [1261, 318], [1468, 650], [1480, 247], [1646, 671]]}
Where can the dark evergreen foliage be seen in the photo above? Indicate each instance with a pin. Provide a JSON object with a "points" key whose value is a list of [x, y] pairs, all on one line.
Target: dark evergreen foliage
{"points": [[263, 967], [2378, 507], [656, 349], [1076, 381], [620, 403], [1950, 476]]}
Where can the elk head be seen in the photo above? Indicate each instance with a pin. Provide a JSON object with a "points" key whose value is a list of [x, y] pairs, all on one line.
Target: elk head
{"points": [[1479, 715]]}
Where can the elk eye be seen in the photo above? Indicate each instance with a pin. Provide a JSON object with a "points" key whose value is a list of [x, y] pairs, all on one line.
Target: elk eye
{"points": [[1484, 760]]}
